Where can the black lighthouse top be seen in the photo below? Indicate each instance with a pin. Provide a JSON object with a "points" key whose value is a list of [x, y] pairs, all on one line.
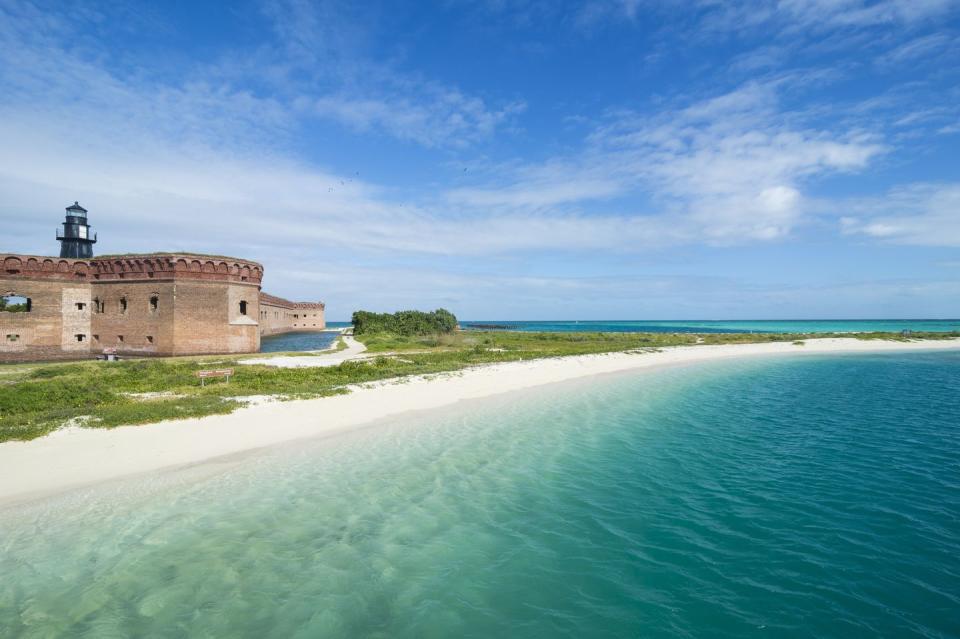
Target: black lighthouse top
{"points": [[75, 239], [76, 210]]}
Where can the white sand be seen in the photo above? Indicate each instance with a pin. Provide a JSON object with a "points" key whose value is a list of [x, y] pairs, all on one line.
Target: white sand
{"points": [[74, 457]]}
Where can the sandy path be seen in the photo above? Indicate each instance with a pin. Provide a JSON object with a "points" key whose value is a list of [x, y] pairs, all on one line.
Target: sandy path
{"points": [[75, 457]]}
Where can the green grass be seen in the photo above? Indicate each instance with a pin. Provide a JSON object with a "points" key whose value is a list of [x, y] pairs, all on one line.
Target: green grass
{"points": [[172, 253], [577, 343], [36, 399]]}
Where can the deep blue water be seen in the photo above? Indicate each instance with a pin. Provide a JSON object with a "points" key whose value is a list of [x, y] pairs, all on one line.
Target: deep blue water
{"points": [[725, 326], [810, 496]]}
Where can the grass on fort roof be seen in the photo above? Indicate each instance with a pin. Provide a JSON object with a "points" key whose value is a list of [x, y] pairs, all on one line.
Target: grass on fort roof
{"points": [[192, 253], [36, 399]]}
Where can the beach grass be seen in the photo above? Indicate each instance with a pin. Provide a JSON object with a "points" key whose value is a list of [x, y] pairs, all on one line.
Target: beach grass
{"points": [[36, 399]]}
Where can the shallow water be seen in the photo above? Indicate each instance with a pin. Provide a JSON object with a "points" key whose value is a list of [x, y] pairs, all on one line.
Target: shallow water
{"points": [[300, 341], [814, 496]]}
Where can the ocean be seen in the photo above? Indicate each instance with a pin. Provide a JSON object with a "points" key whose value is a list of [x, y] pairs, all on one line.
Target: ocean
{"points": [[812, 496], [721, 326]]}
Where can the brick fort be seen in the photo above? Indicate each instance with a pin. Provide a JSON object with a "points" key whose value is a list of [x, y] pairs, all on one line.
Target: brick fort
{"points": [[77, 305]]}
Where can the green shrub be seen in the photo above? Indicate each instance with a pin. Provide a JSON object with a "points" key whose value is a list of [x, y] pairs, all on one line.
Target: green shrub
{"points": [[405, 323]]}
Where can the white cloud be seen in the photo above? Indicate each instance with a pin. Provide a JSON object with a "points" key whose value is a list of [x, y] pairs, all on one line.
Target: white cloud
{"points": [[205, 158], [652, 296], [923, 214], [314, 67], [723, 170], [202, 164]]}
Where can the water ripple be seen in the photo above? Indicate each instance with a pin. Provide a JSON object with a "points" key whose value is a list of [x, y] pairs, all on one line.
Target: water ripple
{"points": [[809, 498]]}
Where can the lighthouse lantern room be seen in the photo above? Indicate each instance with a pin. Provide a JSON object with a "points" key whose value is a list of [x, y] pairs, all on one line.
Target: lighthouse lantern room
{"points": [[75, 238]]}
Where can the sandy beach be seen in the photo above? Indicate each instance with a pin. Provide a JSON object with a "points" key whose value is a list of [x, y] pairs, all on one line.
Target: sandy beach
{"points": [[76, 457]]}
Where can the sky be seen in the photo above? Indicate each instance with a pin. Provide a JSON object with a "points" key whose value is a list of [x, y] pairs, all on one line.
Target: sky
{"points": [[504, 159]]}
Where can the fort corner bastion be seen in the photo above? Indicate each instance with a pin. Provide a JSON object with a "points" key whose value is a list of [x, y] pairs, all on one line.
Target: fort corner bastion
{"points": [[150, 304], [77, 305]]}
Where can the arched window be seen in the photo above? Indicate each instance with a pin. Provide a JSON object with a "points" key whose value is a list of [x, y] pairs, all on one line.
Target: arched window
{"points": [[243, 307], [123, 305], [14, 303], [154, 303]]}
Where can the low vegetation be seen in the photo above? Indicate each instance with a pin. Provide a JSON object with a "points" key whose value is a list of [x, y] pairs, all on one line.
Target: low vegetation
{"points": [[38, 398], [579, 343], [405, 323]]}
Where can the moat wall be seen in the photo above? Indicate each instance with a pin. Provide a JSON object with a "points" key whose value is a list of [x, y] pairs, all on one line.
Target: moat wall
{"points": [[278, 315]]}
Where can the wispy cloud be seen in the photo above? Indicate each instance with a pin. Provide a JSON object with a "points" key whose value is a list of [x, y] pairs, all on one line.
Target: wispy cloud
{"points": [[437, 117], [923, 214], [731, 16], [930, 46], [820, 15], [724, 170], [320, 62]]}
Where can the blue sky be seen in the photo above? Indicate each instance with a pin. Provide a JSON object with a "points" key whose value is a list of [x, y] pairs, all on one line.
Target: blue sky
{"points": [[505, 159]]}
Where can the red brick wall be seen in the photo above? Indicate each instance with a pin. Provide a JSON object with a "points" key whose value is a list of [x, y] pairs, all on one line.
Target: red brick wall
{"points": [[144, 331], [198, 307], [40, 334], [278, 315], [208, 318]]}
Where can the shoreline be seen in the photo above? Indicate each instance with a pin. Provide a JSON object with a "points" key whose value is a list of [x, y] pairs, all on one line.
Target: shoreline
{"points": [[73, 458]]}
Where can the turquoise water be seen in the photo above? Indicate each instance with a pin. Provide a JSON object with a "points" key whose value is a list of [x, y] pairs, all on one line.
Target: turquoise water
{"points": [[804, 497], [727, 326]]}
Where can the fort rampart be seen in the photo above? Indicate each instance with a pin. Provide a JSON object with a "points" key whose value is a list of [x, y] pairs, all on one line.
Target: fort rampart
{"points": [[153, 304]]}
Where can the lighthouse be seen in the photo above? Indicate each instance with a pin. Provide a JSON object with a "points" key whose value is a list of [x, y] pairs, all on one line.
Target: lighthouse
{"points": [[75, 239]]}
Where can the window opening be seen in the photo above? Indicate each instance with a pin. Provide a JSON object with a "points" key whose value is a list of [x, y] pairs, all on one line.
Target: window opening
{"points": [[15, 304]]}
